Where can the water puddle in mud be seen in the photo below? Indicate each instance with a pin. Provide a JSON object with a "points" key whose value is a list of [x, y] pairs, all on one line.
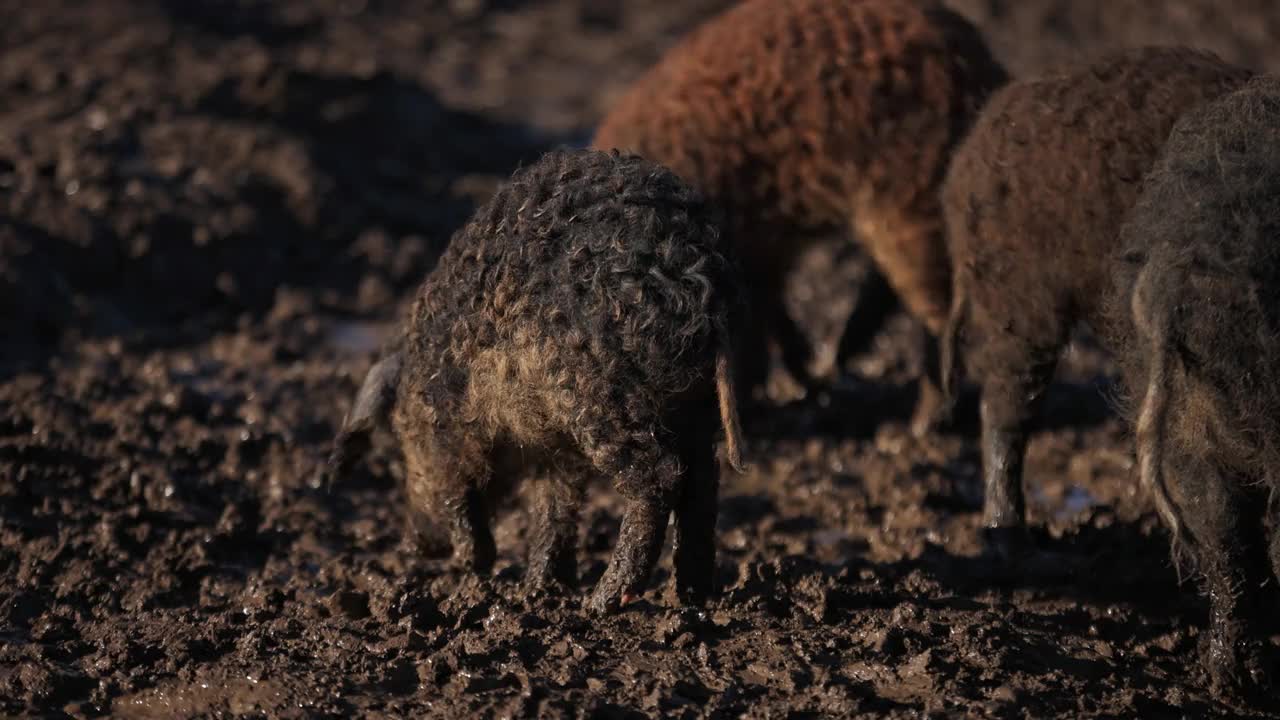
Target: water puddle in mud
{"points": [[1069, 504], [1075, 501]]}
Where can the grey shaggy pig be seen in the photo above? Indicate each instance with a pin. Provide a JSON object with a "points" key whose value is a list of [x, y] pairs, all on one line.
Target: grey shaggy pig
{"points": [[1196, 324], [803, 117], [577, 326], [1034, 200]]}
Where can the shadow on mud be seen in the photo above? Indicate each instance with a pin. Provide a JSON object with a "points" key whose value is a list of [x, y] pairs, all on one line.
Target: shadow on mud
{"points": [[1112, 561], [855, 409], [234, 19]]}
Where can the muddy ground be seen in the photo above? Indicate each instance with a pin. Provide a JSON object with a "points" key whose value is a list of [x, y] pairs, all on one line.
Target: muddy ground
{"points": [[210, 210]]}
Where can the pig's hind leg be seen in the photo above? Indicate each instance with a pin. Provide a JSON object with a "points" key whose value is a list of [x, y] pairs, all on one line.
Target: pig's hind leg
{"points": [[696, 510], [448, 479], [557, 503], [647, 476], [1223, 523], [1013, 385]]}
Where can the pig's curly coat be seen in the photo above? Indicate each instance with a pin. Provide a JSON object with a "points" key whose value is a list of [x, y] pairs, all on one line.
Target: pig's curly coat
{"points": [[1034, 199], [579, 324], [1194, 317], [806, 116]]}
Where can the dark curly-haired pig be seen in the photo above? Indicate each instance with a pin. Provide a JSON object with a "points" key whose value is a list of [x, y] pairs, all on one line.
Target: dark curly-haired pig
{"points": [[803, 117], [1195, 323], [577, 326], [1034, 199]]}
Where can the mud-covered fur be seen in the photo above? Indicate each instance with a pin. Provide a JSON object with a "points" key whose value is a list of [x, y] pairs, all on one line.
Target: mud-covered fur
{"points": [[803, 117], [577, 326], [1195, 320], [1034, 200]]}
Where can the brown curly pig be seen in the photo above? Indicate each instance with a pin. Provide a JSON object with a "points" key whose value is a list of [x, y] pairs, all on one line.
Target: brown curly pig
{"points": [[803, 117], [577, 326]]}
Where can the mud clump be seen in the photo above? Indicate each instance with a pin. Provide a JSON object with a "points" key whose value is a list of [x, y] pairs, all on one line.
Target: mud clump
{"points": [[1034, 199], [1196, 321], [579, 322], [807, 117]]}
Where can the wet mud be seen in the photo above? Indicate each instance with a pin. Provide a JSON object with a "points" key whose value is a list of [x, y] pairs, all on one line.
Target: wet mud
{"points": [[212, 211]]}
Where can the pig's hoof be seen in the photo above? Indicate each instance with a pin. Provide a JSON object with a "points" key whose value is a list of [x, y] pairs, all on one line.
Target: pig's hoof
{"points": [[483, 560], [931, 417], [1007, 546], [610, 595], [604, 601], [546, 581], [691, 596], [925, 424], [1240, 670], [476, 558], [323, 478]]}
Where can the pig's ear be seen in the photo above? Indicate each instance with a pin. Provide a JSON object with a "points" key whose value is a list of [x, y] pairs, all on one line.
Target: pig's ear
{"points": [[376, 395], [372, 407]]}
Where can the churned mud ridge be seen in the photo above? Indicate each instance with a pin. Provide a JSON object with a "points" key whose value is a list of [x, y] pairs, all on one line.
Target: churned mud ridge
{"points": [[210, 212]]}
